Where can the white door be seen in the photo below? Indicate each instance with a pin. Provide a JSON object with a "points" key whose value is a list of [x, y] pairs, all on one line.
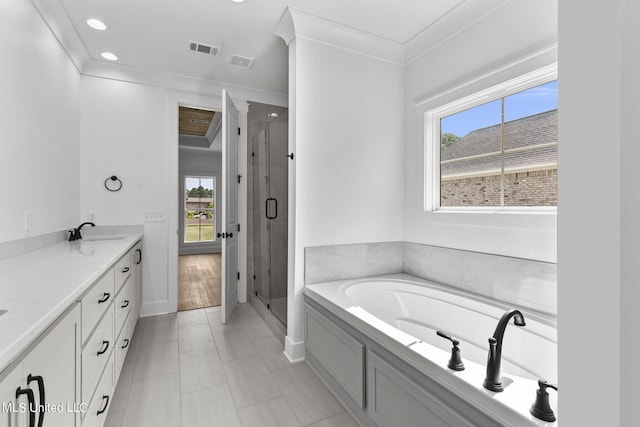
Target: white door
{"points": [[229, 232]]}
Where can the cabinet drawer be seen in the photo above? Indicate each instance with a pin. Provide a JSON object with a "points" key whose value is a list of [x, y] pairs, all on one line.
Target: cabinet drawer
{"points": [[10, 414], [99, 405], [123, 304], [95, 303], [122, 270], [396, 401], [96, 354], [339, 353], [122, 347]]}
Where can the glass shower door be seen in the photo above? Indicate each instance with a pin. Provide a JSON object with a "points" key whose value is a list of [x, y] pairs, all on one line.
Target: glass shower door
{"points": [[278, 217], [270, 220]]}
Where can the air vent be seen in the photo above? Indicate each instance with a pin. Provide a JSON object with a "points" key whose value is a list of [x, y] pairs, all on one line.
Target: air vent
{"points": [[241, 61], [206, 49]]}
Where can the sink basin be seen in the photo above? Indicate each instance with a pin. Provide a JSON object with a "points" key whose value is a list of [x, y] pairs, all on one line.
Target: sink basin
{"points": [[2, 312], [105, 237]]}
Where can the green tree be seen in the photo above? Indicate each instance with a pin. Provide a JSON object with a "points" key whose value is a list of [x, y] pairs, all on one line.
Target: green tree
{"points": [[447, 139], [200, 192]]}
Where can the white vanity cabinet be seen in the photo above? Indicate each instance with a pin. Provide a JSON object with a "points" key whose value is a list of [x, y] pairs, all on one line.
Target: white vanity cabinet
{"points": [[136, 275], [108, 337], [42, 387], [10, 415], [67, 375]]}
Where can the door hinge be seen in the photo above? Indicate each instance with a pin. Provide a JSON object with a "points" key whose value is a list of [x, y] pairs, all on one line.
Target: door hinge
{"points": [[238, 227], [238, 131], [238, 275], [239, 178], [253, 154]]}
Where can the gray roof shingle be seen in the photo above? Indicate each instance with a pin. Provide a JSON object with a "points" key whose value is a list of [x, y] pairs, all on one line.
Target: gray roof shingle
{"points": [[530, 133]]}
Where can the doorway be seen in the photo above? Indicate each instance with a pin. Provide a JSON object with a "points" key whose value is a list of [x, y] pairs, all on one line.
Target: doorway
{"points": [[269, 182], [200, 169]]}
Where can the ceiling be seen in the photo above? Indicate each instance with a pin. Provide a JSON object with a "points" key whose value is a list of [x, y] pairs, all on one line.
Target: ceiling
{"points": [[192, 121], [155, 35]]}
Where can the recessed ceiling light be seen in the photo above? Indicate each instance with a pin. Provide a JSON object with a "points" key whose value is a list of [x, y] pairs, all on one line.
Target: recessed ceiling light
{"points": [[110, 56], [273, 114], [96, 24], [238, 1]]}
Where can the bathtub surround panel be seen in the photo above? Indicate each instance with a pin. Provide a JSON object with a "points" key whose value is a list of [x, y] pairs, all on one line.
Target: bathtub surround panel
{"points": [[408, 371], [330, 263], [522, 282]]}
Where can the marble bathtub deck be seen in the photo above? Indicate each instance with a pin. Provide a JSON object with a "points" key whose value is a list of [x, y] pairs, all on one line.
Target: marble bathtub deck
{"points": [[187, 369]]}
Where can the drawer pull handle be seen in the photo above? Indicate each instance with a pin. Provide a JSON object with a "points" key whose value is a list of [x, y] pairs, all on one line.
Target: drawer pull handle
{"points": [[32, 404], [105, 399], [125, 270], [105, 346], [105, 298], [42, 402], [125, 304], [126, 343]]}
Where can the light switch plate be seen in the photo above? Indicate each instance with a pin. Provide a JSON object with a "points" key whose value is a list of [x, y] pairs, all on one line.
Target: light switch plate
{"points": [[154, 216]]}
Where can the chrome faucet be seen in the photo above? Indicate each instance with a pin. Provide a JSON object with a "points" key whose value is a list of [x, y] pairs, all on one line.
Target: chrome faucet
{"points": [[492, 380], [75, 233]]}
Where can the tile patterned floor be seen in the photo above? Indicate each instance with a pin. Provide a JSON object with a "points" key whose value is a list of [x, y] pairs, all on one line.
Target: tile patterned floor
{"points": [[190, 370]]}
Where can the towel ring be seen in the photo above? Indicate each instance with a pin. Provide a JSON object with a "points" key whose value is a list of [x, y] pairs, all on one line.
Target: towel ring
{"points": [[113, 183]]}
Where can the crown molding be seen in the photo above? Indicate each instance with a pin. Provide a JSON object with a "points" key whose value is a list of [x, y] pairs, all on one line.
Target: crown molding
{"points": [[180, 83], [56, 18], [295, 23], [453, 22]]}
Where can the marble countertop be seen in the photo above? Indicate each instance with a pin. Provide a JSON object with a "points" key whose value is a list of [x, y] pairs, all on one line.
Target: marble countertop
{"points": [[37, 287]]}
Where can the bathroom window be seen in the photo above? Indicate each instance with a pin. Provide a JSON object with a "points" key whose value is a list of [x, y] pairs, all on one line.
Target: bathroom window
{"points": [[199, 209], [496, 149]]}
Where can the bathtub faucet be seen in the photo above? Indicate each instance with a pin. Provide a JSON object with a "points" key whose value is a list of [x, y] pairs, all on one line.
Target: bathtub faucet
{"points": [[492, 381]]}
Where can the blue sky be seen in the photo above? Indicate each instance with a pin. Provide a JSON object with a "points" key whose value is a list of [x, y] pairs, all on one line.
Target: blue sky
{"points": [[526, 103]]}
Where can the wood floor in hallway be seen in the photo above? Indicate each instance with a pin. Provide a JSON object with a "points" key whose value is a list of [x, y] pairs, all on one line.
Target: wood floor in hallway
{"points": [[199, 281]]}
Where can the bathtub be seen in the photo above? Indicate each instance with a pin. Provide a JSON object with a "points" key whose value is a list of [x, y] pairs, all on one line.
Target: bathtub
{"points": [[402, 313]]}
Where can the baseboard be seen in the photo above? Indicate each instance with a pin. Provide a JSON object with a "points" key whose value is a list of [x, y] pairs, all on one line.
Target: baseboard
{"points": [[155, 308], [294, 351]]}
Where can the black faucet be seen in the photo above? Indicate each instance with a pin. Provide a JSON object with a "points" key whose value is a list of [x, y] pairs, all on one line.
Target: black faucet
{"points": [[492, 381], [75, 233]]}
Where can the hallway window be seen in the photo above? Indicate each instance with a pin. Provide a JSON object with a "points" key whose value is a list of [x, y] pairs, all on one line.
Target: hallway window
{"points": [[199, 209]]}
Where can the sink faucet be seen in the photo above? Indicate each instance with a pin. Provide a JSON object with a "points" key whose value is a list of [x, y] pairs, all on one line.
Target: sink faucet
{"points": [[492, 380], [75, 233]]}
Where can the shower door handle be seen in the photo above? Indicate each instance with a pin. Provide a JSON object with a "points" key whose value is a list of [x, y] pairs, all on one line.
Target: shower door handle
{"points": [[266, 206]]}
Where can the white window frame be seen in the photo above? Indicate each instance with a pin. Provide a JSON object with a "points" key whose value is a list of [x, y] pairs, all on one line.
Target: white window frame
{"points": [[432, 139], [185, 210]]}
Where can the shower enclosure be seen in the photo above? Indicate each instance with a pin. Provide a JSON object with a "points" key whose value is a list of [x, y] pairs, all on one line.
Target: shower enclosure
{"points": [[270, 214]]}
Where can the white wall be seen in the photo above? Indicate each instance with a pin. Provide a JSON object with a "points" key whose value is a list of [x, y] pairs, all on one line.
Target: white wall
{"points": [[39, 127], [508, 34], [124, 133], [201, 163], [599, 234], [348, 149], [629, 208]]}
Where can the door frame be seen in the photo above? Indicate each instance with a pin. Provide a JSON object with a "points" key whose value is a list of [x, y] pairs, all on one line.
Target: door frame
{"points": [[176, 100]]}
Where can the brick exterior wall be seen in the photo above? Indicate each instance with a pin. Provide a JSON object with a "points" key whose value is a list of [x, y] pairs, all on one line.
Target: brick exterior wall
{"points": [[533, 188]]}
